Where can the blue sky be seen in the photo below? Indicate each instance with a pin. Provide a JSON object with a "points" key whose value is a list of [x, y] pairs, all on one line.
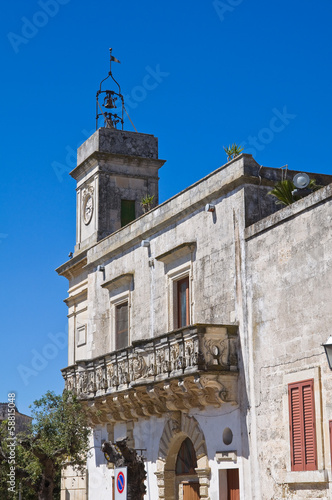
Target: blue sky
{"points": [[254, 72]]}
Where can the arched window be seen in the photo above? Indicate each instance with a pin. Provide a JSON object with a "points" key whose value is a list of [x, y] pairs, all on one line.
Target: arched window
{"points": [[186, 462]]}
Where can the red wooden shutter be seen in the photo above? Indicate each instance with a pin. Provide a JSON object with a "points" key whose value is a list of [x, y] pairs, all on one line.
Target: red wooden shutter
{"points": [[309, 426], [296, 428], [302, 426]]}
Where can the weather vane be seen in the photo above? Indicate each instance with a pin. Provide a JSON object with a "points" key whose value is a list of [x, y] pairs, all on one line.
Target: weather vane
{"points": [[111, 119]]}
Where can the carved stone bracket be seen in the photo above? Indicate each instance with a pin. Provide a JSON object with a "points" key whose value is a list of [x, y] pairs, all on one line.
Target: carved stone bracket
{"points": [[175, 395]]}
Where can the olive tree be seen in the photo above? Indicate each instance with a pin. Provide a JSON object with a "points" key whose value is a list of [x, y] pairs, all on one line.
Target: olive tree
{"points": [[58, 436]]}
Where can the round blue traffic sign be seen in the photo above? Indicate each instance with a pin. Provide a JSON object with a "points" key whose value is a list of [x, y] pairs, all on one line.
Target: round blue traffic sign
{"points": [[120, 482]]}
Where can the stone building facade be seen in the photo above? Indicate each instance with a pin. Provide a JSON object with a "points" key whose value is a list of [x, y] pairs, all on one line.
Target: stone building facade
{"points": [[193, 326], [22, 421]]}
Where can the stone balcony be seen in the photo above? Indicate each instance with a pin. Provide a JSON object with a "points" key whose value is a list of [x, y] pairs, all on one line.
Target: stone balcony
{"points": [[193, 367]]}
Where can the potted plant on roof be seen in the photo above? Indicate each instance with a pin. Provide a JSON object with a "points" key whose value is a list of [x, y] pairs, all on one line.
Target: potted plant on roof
{"points": [[233, 150], [147, 202], [286, 193]]}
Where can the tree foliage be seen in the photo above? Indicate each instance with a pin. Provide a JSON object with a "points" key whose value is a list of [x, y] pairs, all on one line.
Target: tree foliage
{"points": [[58, 436]]}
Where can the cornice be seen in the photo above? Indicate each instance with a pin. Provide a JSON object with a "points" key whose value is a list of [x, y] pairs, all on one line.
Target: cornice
{"points": [[119, 159], [124, 279], [74, 266], [176, 252]]}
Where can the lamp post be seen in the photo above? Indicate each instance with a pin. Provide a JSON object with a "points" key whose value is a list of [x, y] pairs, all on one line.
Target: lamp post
{"points": [[328, 351]]}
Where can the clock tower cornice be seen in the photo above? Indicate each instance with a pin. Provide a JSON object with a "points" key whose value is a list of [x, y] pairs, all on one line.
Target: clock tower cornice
{"points": [[106, 162]]}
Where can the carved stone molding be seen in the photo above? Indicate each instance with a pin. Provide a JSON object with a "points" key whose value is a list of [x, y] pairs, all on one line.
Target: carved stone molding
{"points": [[161, 398], [177, 428], [87, 203], [190, 368]]}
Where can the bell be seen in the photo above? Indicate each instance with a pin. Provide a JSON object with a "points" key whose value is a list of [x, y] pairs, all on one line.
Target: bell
{"points": [[109, 102]]}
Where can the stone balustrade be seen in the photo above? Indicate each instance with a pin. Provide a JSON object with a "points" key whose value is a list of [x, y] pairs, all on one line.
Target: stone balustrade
{"points": [[195, 366]]}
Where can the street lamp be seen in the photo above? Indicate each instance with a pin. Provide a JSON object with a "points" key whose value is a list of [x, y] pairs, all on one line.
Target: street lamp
{"points": [[328, 351]]}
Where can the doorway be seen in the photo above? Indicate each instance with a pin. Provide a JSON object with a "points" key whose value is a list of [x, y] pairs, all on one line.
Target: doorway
{"points": [[187, 480], [233, 487], [229, 484], [178, 462], [190, 491]]}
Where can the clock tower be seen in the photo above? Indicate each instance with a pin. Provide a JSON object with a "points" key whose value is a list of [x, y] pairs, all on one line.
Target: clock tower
{"points": [[116, 170]]}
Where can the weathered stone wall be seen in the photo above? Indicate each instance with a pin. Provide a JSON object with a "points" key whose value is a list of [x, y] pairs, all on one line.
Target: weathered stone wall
{"points": [[289, 281], [210, 264], [110, 140], [22, 422], [271, 279], [113, 165], [74, 484]]}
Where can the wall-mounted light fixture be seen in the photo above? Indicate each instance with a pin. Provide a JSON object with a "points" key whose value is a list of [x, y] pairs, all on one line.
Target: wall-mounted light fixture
{"points": [[328, 351], [209, 207]]}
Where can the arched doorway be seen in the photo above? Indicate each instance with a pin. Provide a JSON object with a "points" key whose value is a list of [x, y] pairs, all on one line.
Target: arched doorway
{"points": [[177, 429], [187, 484]]}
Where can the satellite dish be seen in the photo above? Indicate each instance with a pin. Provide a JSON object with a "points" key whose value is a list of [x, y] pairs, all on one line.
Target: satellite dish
{"points": [[301, 180]]}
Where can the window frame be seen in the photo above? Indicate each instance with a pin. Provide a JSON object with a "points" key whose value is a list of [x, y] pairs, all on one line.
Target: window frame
{"points": [[116, 301], [174, 277], [121, 333], [302, 423], [127, 212], [179, 301]]}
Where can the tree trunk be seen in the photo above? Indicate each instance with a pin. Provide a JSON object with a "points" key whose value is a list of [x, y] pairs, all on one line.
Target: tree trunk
{"points": [[47, 484]]}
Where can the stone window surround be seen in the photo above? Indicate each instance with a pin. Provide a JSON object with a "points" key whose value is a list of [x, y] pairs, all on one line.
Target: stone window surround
{"points": [[115, 301], [77, 307], [125, 283], [178, 262], [222, 479], [227, 460], [173, 276], [319, 475]]}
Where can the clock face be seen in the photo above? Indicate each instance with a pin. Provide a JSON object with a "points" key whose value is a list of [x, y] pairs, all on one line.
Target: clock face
{"points": [[87, 209]]}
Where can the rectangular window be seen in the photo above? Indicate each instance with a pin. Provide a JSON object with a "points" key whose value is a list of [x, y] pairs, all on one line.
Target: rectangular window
{"points": [[183, 302], [127, 212], [302, 426], [121, 326]]}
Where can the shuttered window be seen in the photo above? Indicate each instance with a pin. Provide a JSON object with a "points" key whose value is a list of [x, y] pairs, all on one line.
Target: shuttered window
{"points": [[127, 212], [121, 326], [183, 302], [302, 426]]}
